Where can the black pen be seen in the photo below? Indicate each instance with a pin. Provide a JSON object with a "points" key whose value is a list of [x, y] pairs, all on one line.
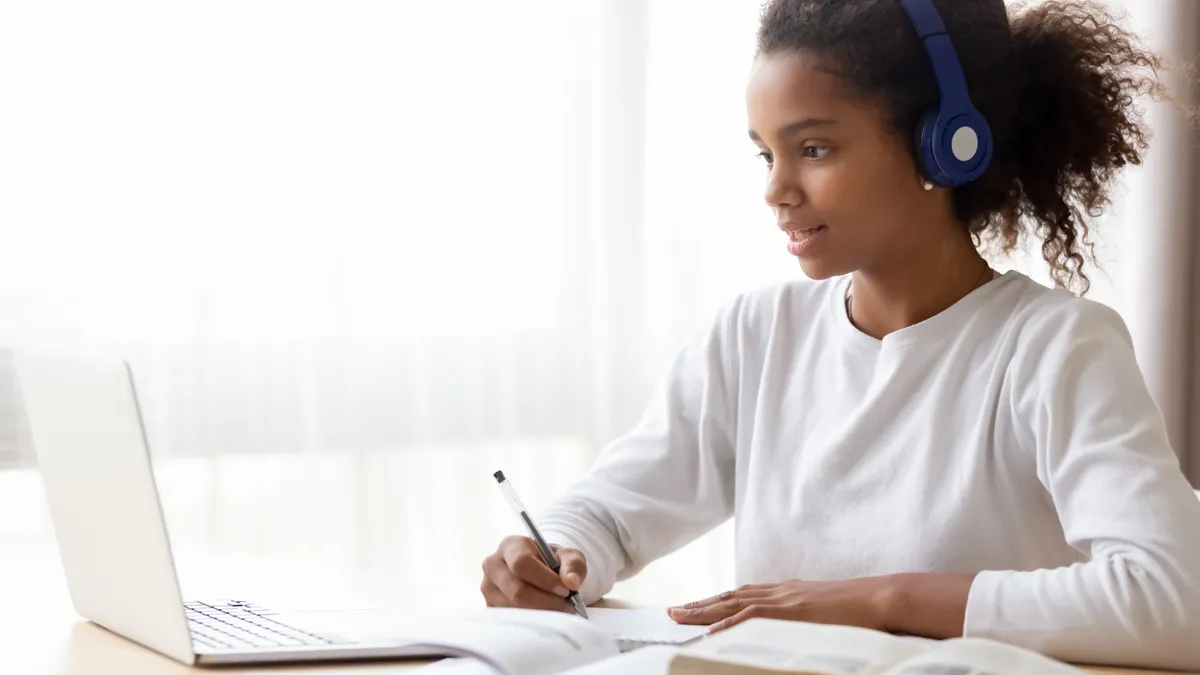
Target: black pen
{"points": [[547, 553]]}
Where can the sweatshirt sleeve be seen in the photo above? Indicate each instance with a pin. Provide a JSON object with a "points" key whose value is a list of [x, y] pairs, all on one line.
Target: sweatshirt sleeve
{"points": [[665, 483], [1103, 455]]}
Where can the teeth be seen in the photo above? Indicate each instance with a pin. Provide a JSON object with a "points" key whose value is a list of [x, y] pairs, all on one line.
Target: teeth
{"points": [[798, 235]]}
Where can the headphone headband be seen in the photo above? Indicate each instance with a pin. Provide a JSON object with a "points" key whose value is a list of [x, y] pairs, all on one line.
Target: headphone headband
{"points": [[952, 84], [955, 144]]}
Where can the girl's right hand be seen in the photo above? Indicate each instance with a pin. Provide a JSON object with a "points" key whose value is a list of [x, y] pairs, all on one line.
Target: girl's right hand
{"points": [[516, 576]]}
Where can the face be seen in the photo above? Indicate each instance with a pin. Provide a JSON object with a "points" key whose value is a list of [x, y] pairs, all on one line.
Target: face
{"points": [[843, 184]]}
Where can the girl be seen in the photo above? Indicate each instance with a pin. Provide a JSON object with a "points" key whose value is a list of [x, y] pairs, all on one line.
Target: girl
{"points": [[909, 441]]}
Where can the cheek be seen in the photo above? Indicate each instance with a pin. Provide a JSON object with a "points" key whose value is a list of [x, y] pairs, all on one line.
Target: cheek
{"points": [[862, 196]]}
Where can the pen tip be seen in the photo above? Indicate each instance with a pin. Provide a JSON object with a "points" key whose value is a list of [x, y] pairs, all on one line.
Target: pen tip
{"points": [[499, 476]]}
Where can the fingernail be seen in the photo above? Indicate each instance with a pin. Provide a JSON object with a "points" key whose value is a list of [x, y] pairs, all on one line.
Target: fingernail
{"points": [[674, 611], [574, 578], [561, 591]]}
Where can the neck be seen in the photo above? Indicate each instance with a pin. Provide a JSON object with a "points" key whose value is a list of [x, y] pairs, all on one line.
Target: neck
{"points": [[915, 286]]}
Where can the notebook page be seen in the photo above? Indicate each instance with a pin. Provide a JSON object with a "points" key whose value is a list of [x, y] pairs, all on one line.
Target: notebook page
{"points": [[653, 660], [461, 666], [515, 641], [633, 628]]}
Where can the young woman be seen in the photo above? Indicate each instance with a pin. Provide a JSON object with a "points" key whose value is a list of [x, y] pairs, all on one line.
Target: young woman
{"points": [[908, 440]]}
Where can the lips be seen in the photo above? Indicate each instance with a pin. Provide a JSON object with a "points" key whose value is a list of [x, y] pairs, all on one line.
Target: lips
{"points": [[799, 226], [804, 240], [801, 235]]}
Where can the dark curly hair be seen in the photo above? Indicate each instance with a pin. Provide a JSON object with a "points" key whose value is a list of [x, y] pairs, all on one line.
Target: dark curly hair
{"points": [[1057, 82]]}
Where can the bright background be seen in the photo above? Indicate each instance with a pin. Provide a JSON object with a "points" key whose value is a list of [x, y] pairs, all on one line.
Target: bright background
{"points": [[361, 255]]}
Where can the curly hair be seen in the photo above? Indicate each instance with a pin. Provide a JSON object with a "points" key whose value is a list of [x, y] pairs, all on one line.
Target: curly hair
{"points": [[1057, 81]]}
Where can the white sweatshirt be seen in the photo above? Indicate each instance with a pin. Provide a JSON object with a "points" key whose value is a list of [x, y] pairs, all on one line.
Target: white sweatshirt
{"points": [[1011, 435]]}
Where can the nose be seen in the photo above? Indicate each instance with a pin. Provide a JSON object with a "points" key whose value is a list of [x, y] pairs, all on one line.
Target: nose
{"points": [[782, 188]]}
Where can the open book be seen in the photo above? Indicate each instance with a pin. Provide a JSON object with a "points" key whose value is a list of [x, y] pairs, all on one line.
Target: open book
{"points": [[543, 643], [770, 647], [528, 642], [523, 642]]}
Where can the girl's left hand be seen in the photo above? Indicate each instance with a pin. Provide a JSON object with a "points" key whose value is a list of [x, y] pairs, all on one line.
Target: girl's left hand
{"points": [[856, 602]]}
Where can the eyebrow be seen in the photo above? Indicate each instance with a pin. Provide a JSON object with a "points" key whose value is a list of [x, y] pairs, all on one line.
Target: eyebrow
{"points": [[795, 127]]}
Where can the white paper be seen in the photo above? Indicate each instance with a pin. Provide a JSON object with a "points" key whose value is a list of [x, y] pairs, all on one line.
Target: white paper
{"points": [[517, 641], [784, 645], [645, 661], [973, 656], [642, 626], [461, 666]]}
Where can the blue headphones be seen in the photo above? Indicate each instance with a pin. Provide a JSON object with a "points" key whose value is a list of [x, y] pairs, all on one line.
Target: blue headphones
{"points": [[954, 142]]}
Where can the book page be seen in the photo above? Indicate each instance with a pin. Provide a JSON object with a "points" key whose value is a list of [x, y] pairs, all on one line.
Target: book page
{"points": [[514, 641], [772, 646], [974, 656], [633, 628], [465, 665], [645, 661]]}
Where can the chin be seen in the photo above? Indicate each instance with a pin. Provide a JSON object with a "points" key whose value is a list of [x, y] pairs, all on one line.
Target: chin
{"points": [[819, 270]]}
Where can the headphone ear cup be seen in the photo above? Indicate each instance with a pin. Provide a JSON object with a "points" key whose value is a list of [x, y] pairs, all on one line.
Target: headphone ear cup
{"points": [[924, 143]]}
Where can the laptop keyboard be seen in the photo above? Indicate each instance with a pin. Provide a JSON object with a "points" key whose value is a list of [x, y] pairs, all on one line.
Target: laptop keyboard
{"points": [[240, 625]]}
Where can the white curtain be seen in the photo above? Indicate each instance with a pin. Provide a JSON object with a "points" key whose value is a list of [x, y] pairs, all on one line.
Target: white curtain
{"points": [[362, 254], [320, 226], [1158, 227], [405, 242]]}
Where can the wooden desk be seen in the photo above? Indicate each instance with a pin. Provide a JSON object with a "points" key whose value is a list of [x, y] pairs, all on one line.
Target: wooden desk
{"points": [[40, 634]]}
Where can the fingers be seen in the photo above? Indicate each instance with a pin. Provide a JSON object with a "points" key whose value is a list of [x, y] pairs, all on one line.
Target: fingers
{"points": [[573, 567], [708, 614], [743, 592], [501, 588], [753, 611], [523, 560], [719, 607], [516, 576], [521, 594], [727, 595], [492, 595]]}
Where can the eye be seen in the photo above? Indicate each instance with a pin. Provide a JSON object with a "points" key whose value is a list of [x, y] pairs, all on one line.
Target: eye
{"points": [[816, 151], [767, 157]]}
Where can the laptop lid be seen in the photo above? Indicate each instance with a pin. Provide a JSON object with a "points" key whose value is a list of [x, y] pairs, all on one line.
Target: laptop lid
{"points": [[91, 447]]}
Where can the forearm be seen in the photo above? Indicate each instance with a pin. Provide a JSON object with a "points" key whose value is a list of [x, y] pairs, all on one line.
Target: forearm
{"points": [[1124, 608], [926, 605]]}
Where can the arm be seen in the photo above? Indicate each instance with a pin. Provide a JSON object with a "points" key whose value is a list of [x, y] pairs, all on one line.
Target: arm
{"points": [[928, 605], [667, 482], [1103, 456]]}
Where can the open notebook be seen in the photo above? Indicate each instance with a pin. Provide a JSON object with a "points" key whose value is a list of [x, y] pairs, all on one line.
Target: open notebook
{"points": [[634, 628], [528, 642], [520, 642]]}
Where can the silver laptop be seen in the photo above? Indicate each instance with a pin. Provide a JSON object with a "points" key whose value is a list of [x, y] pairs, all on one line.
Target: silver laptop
{"points": [[91, 447]]}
